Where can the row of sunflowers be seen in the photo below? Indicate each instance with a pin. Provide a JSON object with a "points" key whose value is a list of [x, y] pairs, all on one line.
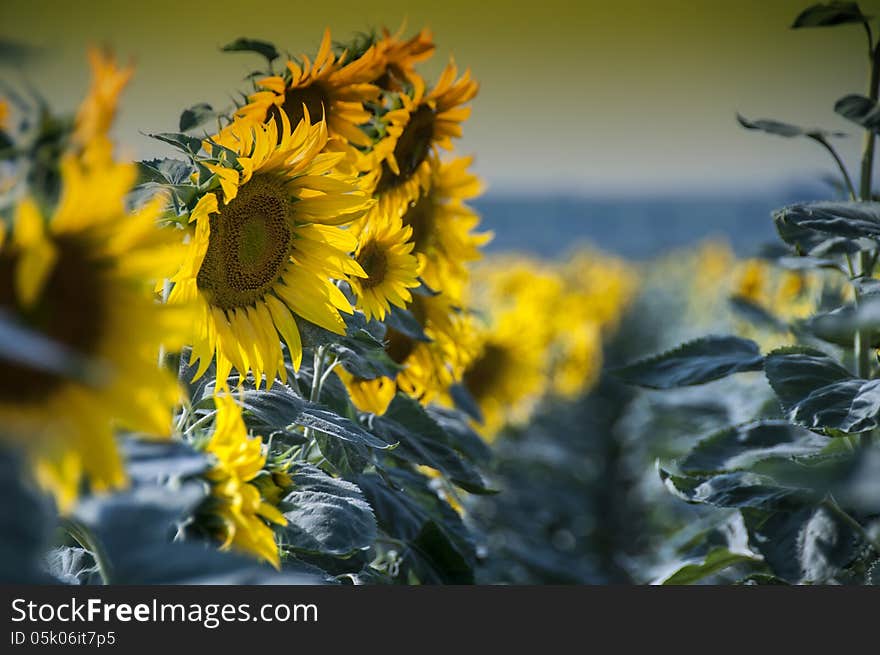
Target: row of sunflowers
{"points": [[281, 341]]}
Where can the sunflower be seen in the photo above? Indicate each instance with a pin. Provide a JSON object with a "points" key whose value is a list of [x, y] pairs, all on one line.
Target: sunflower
{"points": [[270, 249], [752, 280], [429, 366], [327, 87], [83, 280], [399, 163], [443, 224], [506, 374], [237, 501], [398, 58], [98, 111], [385, 254]]}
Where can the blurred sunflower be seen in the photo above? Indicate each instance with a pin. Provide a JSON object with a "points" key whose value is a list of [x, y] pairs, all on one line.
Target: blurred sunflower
{"points": [[83, 280], [428, 366], [241, 509], [97, 112], [270, 250], [399, 163], [751, 281], [442, 226], [327, 87], [385, 254], [4, 115], [506, 374], [398, 58]]}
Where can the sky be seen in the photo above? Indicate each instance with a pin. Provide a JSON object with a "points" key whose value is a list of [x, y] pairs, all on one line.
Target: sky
{"points": [[630, 97]]}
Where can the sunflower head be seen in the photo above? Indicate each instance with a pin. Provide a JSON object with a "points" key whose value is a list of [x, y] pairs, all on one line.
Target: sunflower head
{"points": [[270, 248], [242, 514], [385, 254], [326, 88], [399, 57], [82, 280], [424, 122], [443, 227]]}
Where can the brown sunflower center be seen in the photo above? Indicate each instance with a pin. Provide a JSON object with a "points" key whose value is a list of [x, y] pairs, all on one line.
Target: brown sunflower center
{"points": [[411, 150], [313, 97], [392, 79], [398, 346], [485, 371], [249, 246], [374, 261], [70, 312], [420, 217]]}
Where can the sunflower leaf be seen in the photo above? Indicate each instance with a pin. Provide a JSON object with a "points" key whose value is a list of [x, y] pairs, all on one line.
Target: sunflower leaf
{"points": [[262, 48], [818, 393], [695, 569], [326, 515], [830, 14], [422, 441], [440, 547], [196, 116], [695, 362], [860, 110], [187, 144], [744, 445], [786, 130]]}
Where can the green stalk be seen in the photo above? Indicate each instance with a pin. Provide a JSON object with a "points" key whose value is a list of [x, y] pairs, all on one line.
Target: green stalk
{"points": [[861, 344], [314, 396]]}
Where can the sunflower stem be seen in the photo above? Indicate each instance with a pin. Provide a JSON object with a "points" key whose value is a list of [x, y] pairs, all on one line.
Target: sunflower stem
{"points": [[314, 396], [861, 344], [84, 537]]}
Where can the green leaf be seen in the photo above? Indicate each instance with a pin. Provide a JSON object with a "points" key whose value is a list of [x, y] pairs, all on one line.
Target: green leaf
{"points": [[263, 48], [326, 515], [439, 548], [815, 244], [829, 14], [715, 560], [363, 356], [742, 446], [813, 544], [818, 393], [423, 442], [186, 144], [404, 322], [164, 171], [840, 325], [195, 116], [695, 362], [850, 220], [280, 407], [738, 489], [786, 130], [347, 459]]}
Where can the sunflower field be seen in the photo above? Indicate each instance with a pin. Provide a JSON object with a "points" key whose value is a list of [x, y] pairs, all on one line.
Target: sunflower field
{"points": [[285, 354]]}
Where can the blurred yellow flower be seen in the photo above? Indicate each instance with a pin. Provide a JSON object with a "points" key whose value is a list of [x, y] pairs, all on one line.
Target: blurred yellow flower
{"points": [[84, 280], [398, 58]]}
